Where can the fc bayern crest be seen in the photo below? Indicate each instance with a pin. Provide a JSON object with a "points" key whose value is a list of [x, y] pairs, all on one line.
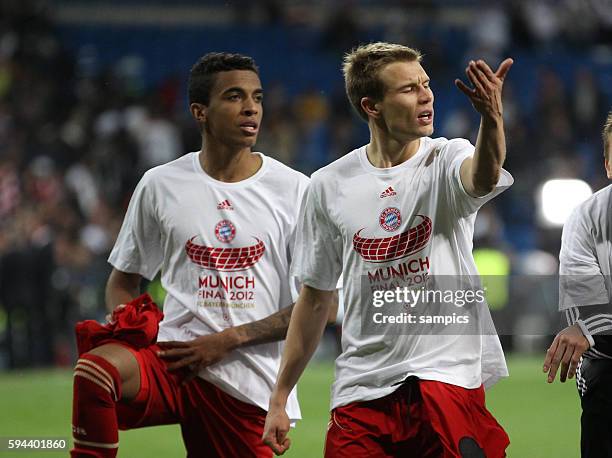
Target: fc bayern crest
{"points": [[225, 231], [390, 219]]}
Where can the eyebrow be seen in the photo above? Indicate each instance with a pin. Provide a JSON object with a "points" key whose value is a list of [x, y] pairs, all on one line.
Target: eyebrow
{"points": [[412, 84], [241, 90]]}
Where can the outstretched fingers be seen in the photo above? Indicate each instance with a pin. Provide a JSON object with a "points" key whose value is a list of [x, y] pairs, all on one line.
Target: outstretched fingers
{"points": [[479, 80], [463, 88], [503, 68]]}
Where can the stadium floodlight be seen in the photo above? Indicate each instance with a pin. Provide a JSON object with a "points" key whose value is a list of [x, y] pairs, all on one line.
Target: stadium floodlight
{"points": [[557, 198]]}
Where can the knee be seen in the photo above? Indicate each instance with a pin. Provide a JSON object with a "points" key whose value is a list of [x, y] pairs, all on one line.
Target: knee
{"points": [[94, 369], [469, 448], [118, 364]]}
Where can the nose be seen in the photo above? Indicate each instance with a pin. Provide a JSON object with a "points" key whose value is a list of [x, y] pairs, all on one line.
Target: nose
{"points": [[425, 94], [250, 107]]}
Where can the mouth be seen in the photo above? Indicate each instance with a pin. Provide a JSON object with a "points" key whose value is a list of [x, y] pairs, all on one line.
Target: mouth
{"points": [[425, 117], [249, 127]]}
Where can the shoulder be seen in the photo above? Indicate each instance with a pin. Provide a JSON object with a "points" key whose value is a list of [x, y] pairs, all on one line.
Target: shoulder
{"points": [[602, 198], [443, 149], [284, 177], [452, 147], [593, 209], [278, 167], [344, 166], [170, 169]]}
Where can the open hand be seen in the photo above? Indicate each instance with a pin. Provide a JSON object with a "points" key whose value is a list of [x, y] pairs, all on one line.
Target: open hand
{"points": [[486, 95], [566, 349], [275, 431], [198, 353]]}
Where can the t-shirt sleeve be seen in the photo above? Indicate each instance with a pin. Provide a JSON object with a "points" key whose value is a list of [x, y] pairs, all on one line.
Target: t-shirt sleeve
{"points": [[581, 281], [456, 151], [138, 248], [317, 258], [294, 283]]}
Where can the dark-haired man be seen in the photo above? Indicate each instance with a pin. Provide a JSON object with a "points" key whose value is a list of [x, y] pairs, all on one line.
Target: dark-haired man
{"points": [[219, 224]]}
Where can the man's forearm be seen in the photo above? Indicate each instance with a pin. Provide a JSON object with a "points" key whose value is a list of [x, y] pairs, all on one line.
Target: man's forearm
{"points": [[309, 319], [121, 288], [269, 329], [489, 155]]}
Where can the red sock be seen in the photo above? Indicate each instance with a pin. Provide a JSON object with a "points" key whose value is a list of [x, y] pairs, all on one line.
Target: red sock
{"points": [[94, 418]]}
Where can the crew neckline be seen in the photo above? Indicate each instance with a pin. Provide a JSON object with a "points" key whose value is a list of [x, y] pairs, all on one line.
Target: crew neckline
{"points": [[238, 184], [365, 162]]}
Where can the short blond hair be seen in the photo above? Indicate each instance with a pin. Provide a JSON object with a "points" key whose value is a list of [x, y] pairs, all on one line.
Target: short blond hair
{"points": [[361, 68], [606, 134]]}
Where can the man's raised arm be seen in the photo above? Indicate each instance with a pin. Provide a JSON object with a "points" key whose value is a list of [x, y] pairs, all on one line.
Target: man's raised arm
{"points": [[480, 173]]}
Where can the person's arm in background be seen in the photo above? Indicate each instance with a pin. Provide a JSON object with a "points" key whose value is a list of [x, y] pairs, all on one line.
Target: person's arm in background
{"points": [[566, 350], [480, 173], [310, 315], [581, 291]]}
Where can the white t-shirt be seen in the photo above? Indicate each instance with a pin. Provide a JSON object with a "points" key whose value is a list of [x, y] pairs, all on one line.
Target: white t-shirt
{"points": [[224, 250], [586, 265], [351, 210]]}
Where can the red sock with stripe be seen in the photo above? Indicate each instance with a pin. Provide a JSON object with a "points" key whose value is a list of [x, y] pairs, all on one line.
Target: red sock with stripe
{"points": [[97, 387]]}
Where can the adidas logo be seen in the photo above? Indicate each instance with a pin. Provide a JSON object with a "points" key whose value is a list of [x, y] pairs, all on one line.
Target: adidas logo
{"points": [[225, 205], [388, 192]]}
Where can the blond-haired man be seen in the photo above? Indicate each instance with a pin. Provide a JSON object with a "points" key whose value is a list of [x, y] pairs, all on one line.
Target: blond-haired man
{"points": [[584, 348], [403, 206]]}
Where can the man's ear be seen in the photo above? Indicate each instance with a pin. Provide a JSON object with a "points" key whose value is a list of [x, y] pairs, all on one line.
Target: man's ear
{"points": [[199, 112], [608, 168], [370, 106]]}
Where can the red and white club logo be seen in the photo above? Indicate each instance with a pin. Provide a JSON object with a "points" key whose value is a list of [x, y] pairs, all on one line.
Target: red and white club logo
{"points": [[390, 219], [225, 231]]}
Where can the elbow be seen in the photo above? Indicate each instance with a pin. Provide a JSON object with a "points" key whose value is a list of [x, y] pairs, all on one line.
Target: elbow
{"points": [[486, 186], [320, 301]]}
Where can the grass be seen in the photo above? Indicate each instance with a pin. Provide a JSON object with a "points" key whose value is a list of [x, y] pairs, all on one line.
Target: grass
{"points": [[543, 420]]}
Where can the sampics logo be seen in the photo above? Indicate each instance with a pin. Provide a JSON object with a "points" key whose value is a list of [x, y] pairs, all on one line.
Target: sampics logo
{"points": [[397, 246]]}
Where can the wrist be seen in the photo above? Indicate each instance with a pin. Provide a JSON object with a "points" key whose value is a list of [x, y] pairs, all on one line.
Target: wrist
{"points": [[493, 121], [278, 400], [233, 338], [585, 332]]}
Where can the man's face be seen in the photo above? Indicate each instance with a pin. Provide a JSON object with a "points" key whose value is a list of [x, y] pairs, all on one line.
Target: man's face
{"points": [[234, 113], [407, 106]]}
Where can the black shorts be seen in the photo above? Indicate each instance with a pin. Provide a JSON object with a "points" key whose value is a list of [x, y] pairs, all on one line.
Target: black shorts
{"points": [[594, 382]]}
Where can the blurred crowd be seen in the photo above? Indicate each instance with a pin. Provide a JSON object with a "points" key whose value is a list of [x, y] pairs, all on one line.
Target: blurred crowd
{"points": [[76, 138]]}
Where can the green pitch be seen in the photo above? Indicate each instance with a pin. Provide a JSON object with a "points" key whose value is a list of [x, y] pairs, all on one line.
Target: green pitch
{"points": [[542, 420]]}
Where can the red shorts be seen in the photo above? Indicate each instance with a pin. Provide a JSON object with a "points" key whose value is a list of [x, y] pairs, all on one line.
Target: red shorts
{"points": [[213, 423], [421, 419]]}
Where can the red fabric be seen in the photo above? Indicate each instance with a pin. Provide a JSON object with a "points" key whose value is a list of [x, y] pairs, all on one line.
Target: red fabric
{"points": [[423, 419], [456, 413], [213, 423], [135, 324], [93, 409]]}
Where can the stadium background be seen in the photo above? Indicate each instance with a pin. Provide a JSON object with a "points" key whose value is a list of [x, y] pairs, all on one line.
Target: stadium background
{"points": [[92, 93]]}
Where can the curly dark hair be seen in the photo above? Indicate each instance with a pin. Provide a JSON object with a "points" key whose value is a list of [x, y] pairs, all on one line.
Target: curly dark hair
{"points": [[203, 73]]}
